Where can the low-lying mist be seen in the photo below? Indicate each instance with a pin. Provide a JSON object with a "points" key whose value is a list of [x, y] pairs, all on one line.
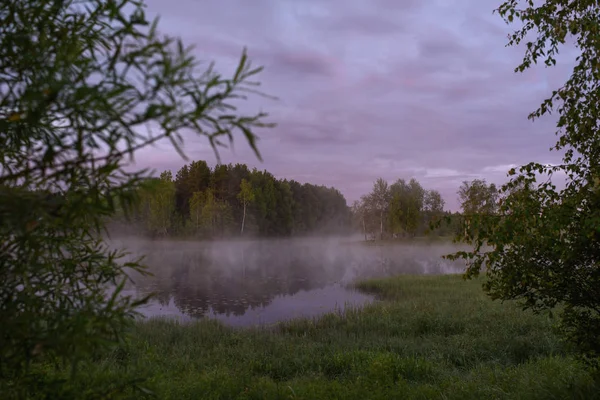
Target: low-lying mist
{"points": [[264, 281]]}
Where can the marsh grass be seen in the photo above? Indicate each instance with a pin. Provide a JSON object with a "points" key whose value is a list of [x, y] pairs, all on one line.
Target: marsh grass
{"points": [[428, 337]]}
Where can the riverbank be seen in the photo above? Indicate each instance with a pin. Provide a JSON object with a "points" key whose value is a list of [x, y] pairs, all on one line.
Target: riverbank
{"points": [[429, 337], [408, 240]]}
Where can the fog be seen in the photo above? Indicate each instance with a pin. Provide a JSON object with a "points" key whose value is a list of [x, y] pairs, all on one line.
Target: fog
{"points": [[258, 282]]}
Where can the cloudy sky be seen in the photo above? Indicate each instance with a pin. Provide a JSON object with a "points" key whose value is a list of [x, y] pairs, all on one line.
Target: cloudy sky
{"points": [[373, 88]]}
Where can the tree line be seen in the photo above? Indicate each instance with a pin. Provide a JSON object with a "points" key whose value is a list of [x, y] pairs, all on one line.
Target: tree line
{"points": [[405, 209], [232, 200]]}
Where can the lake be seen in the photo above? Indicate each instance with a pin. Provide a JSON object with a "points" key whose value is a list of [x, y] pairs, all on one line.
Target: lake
{"points": [[261, 282]]}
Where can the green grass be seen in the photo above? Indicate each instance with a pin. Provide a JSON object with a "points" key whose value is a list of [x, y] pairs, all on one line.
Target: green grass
{"points": [[431, 337]]}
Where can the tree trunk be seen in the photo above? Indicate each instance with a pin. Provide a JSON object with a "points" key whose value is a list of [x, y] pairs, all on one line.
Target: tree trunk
{"points": [[381, 225], [407, 220], [364, 228], [243, 219]]}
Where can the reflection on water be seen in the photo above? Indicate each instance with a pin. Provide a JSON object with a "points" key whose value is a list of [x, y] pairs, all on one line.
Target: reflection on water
{"points": [[263, 282]]}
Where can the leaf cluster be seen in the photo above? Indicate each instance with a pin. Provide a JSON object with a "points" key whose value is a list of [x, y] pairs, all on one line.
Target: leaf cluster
{"points": [[83, 86], [542, 246]]}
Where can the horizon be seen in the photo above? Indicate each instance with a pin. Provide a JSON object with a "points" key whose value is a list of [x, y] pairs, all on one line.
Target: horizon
{"points": [[348, 201], [372, 89]]}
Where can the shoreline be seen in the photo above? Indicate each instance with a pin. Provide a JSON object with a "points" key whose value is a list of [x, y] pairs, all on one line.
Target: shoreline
{"points": [[428, 337]]}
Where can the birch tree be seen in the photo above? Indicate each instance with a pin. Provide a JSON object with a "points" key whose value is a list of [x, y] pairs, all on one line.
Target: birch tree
{"points": [[542, 246], [245, 196], [196, 205], [379, 199]]}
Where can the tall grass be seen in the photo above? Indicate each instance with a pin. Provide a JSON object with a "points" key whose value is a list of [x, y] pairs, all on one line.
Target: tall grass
{"points": [[429, 337]]}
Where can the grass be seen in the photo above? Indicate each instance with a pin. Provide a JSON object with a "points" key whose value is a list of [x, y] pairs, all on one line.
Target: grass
{"points": [[430, 337], [428, 239]]}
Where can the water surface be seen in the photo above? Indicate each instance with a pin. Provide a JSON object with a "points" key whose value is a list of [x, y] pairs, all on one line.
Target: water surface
{"points": [[262, 282]]}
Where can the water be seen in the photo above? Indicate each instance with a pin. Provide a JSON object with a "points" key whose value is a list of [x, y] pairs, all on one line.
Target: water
{"points": [[263, 282]]}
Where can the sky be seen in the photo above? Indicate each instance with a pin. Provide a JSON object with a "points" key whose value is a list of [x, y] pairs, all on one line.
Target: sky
{"points": [[372, 88]]}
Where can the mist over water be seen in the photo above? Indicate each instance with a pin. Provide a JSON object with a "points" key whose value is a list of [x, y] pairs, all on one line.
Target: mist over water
{"points": [[256, 282]]}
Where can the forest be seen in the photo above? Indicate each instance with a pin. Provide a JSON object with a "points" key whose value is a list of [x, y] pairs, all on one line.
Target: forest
{"points": [[233, 200]]}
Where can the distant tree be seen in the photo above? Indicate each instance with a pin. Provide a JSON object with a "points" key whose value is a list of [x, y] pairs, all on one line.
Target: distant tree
{"points": [[398, 206], [245, 196], [433, 209], [182, 191], [215, 214], [414, 206], [478, 197], [360, 216], [406, 206], [277, 207], [371, 216], [79, 83], [542, 247], [161, 202], [433, 202], [188, 180], [379, 199], [219, 180], [284, 201], [196, 206], [210, 212]]}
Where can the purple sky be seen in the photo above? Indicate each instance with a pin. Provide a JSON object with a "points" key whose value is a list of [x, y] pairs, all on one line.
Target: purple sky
{"points": [[373, 88]]}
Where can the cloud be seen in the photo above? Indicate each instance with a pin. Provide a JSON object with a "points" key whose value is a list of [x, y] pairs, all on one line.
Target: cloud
{"points": [[374, 88]]}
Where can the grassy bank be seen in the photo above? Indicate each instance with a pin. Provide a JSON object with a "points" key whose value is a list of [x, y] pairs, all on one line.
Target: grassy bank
{"points": [[430, 337], [403, 241]]}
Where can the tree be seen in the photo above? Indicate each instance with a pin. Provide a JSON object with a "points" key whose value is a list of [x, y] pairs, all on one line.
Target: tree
{"points": [[433, 202], [161, 205], [414, 206], [209, 214], [79, 83], [379, 201], [278, 207], [188, 180], [196, 206], [406, 206], [359, 213], [285, 218], [433, 209], [478, 197], [371, 216], [397, 210], [215, 214], [543, 246], [246, 196]]}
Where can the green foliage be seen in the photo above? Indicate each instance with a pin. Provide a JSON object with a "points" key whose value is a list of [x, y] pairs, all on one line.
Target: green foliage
{"points": [[196, 207], [215, 214], [79, 82], [542, 247], [188, 180], [428, 337], [477, 197], [158, 204], [263, 205], [399, 209], [245, 196]]}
